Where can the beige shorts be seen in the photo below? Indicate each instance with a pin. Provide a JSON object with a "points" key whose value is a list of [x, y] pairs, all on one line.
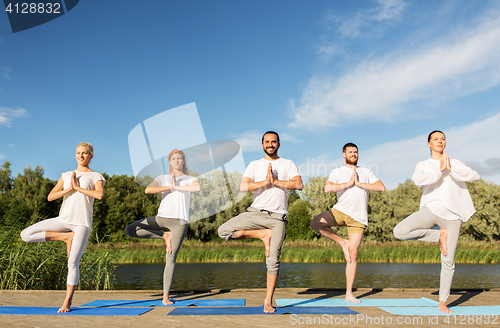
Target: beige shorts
{"points": [[341, 219]]}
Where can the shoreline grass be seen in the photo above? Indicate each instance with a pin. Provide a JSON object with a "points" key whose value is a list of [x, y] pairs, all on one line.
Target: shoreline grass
{"points": [[193, 251]]}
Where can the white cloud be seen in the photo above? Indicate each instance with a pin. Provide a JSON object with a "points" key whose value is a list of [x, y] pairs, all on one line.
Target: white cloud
{"points": [[2, 156], [6, 72], [382, 88], [11, 145], [250, 141], [389, 10], [475, 144], [7, 115]]}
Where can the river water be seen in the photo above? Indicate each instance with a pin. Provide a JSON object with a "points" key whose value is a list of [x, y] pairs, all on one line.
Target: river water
{"points": [[303, 275]]}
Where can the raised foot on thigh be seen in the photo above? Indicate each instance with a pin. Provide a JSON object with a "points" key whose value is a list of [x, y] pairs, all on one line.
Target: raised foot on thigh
{"points": [[443, 236], [167, 236], [69, 242], [345, 248], [266, 239]]}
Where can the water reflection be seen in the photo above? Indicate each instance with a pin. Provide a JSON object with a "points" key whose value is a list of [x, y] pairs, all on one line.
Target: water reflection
{"points": [[304, 275]]}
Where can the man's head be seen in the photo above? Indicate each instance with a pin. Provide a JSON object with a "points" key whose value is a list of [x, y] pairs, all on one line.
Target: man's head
{"points": [[270, 143], [350, 153]]}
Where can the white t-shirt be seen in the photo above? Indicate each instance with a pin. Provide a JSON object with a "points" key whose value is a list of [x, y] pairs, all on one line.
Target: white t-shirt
{"points": [[77, 208], [353, 201], [271, 198], [175, 204], [445, 194]]}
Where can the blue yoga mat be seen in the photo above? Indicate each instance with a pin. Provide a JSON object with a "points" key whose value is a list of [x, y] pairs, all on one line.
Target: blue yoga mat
{"points": [[178, 303], [260, 310], [364, 302], [457, 310], [29, 310]]}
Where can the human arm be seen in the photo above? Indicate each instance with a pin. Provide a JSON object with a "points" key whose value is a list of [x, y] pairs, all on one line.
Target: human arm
{"points": [[247, 184], [461, 172], [294, 184], [426, 174], [193, 187], [331, 186], [97, 193], [154, 188], [375, 186], [58, 191]]}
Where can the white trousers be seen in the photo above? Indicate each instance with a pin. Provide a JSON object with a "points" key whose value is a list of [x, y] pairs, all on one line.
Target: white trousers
{"points": [[36, 233]]}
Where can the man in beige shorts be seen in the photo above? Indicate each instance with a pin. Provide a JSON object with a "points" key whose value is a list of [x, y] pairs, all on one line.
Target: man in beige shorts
{"points": [[352, 184]]}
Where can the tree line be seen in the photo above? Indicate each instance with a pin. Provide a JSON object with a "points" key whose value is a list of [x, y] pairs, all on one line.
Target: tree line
{"points": [[23, 200]]}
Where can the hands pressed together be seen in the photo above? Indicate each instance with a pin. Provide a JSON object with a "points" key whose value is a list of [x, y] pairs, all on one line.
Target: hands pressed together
{"points": [[445, 162]]}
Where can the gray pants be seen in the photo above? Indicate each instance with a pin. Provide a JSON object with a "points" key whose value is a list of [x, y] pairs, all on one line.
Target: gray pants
{"points": [[255, 219], [418, 226], [153, 227]]}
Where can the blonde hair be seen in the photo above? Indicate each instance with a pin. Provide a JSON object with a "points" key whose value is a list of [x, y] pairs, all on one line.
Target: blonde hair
{"points": [[180, 152], [89, 147]]}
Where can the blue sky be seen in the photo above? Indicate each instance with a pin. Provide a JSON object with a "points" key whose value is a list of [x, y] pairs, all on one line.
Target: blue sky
{"points": [[381, 74]]}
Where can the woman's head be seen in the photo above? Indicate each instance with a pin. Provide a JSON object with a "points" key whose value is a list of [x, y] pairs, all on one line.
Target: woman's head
{"points": [[177, 161], [84, 153], [436, 141]]}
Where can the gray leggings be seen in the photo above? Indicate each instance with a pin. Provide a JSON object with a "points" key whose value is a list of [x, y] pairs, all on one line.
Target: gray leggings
{"points": [[255, 219], [153, 227], [418, 226]]}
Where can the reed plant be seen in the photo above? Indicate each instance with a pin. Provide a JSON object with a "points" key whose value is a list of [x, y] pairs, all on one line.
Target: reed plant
{"points": [[43, 265], [321, 250]]}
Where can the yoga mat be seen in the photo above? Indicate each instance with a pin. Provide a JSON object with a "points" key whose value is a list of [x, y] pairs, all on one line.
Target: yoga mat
{"points": [[260, 310], [29, 310], [149, 303], [228, 302], [121, 303], [364, 302], [457, 310]]}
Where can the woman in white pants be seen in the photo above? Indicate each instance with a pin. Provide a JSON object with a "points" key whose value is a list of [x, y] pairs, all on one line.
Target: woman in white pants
{"points": [[173, 214], [78, 189], [445, 203]]}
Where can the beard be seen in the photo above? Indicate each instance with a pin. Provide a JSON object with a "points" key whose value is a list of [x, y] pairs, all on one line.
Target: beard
{"points": [[351, 161], [270, 152]]}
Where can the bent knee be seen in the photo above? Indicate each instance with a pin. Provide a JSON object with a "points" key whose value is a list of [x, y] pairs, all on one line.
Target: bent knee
{"points": [[316, 224], [25, 236], [131, 230], [224, 233], [399, 233]]}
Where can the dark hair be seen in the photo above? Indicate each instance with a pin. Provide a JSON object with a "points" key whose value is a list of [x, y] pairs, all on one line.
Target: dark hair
{"points": [[430, 134], [349, 144], [270, 132]]}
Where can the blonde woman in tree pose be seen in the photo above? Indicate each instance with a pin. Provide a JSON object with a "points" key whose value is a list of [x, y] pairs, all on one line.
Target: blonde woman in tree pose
{"points": [[445, 203], [173, 214], [78, 188]]}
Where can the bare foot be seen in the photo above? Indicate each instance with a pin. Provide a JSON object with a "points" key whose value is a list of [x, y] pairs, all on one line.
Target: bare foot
{"points": [[64, 308], [166, 300], [268, 307], [349, 297], [443, 307], [443, 236], [345, 248], [167, 237], [267, 241], [69, 243]]}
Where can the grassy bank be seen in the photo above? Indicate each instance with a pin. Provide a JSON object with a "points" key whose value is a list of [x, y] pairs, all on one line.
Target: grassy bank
{"points": [[306, 251], [44, 265]]}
